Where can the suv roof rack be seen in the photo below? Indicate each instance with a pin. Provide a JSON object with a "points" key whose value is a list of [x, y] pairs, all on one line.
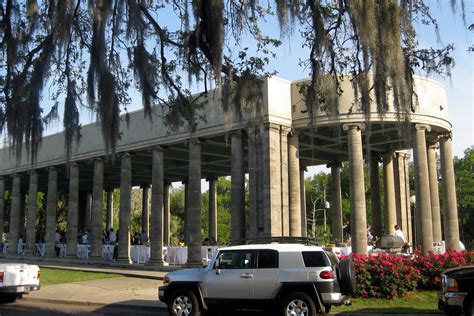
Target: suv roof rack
{"points": [[309, 241]]}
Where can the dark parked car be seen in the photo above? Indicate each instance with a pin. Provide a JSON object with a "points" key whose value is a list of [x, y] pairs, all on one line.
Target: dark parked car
{"points": [[457, 292]]}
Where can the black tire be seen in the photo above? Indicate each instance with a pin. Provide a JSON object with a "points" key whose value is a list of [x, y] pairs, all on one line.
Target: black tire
{"points": [[299, 302], [347, 277], [8, 297], [183, 299], [469, 306]]}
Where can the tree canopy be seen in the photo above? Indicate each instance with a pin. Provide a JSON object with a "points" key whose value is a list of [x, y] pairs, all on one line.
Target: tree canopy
{"points": [[104, 48]]}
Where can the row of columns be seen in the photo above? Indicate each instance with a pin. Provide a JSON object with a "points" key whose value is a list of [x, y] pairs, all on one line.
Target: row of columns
{"points": [[276, 184]]}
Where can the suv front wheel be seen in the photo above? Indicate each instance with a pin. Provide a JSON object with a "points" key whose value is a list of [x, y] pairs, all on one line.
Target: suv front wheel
{"points": [[183, 302], [298, 303]]}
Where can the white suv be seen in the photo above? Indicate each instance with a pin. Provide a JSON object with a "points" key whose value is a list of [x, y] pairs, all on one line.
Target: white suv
{"points": [[289, 279]]}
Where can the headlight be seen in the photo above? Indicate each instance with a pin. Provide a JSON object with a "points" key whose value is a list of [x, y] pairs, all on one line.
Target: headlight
{"points": [[452, 285], [166, 280]]}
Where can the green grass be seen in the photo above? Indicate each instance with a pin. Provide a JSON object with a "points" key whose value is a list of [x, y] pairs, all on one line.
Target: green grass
{"points": [[50, 276], [414, 303]]}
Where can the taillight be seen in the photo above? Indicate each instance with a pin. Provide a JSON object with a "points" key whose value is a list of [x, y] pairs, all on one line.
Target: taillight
{"points": [[39, 274], [1, 277], [452, 285], [326, 275], [166, 280]]}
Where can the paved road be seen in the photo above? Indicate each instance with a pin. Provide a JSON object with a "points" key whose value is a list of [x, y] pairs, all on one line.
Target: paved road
{"points": [[33, 308]]}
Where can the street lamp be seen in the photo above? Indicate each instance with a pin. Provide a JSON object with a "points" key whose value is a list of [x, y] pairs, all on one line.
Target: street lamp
{"points": [[327, 205]]}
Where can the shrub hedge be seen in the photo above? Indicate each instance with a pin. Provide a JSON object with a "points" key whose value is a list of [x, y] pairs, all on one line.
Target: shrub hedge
{"points": [[391, 276]]}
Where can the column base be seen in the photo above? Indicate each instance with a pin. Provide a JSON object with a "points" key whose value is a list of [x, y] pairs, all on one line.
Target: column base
{"points": [[156, 262], [124, 260], [193, 264]]}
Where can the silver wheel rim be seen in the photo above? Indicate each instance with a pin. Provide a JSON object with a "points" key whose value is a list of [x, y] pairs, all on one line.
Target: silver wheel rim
{"points": [[297, 307], [182, 305]]}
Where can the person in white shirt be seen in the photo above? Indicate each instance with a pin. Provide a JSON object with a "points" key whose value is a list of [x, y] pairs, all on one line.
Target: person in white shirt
{"points": [[399, 233], [112, 237]]}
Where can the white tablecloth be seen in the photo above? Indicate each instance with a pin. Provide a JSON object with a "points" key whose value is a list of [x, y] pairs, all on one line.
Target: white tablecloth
{"points": [[108, 252], [82, 251], [179, 255], [140, 253]]}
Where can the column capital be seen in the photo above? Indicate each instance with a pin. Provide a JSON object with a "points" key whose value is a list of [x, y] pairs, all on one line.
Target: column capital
{"points": [[295, 132], [196, 141], [30, 172], [433, 145], [236, 133], [337, 164], [420, 127], [388, 155], [124, 154], [347, 126], [157, 148], [167, 182], [273, 126], [444, 137], [146, 185], [402, 154], [212, 178], [303, 168], [287, 130]]}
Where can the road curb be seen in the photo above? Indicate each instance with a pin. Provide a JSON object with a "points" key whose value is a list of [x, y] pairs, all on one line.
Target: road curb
{"points": [[95, 304]]}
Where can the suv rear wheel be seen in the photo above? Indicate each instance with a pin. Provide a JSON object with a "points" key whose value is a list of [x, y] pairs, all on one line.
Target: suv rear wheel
{"points": [[183, 302], [298, 304]]}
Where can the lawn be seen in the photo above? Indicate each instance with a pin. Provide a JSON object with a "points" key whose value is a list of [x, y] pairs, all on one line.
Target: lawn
{"points": [[51, 276], [414, 303]]}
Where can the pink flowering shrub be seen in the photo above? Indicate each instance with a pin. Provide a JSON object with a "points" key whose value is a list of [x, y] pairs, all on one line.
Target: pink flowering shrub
{"points": [[433, 265], [389, 276], [384, 276]]}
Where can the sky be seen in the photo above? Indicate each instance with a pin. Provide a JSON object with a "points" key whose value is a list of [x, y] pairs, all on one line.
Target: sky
{"points": [[459, 87]]}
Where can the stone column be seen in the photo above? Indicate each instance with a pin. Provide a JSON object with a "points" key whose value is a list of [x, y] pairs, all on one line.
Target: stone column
{"points": [[186, 205], [304, 228], [284, 195], [260, 184], [422, 187], [125, 206], [13, 233], [400, 191], [83, 199], [389, 195], [2, 206], [336, 202], [50, 228], [167, 215], [89, 210], [21, 222], [32, 210], [213, 209], [294, 185], [157, 201], [96, 210], [408, 203], [194, 203], [253, 187], [109, 222], [146, 209], [237, 186], [375, 196], [357, 189], [72, 210], [434, 193], [271, 178], [449, 193]]}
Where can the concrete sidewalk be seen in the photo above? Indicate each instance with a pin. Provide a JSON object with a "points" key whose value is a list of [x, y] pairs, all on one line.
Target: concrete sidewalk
{"points": [[132, 293]]}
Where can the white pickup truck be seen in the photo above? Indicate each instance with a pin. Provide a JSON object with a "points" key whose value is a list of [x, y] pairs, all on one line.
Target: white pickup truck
{"points": [[17, 279]]}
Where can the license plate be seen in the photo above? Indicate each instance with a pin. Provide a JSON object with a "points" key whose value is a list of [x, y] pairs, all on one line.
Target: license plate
{"points": [[20, 289]]}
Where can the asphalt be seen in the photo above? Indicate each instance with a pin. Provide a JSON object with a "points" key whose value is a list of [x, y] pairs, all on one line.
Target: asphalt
{"points": [[136, 289]]}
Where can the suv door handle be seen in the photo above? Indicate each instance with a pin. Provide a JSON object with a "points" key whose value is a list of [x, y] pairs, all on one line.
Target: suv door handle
{"points": [[246, 276]]}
